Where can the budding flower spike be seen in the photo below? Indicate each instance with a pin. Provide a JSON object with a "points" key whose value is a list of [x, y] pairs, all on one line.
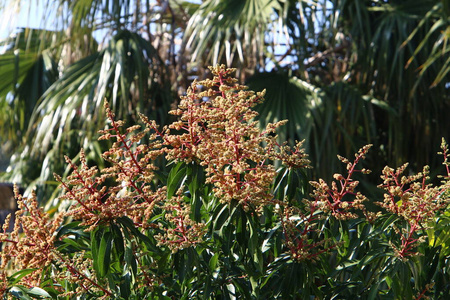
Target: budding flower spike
{"points": [[197, 209]]}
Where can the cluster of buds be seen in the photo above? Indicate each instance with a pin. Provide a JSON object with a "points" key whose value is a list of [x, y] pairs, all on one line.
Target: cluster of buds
{"points": [[132, 171], [179, 231], [219, 133], [414, 201], [30, 245], [331, 199], [300, 234], [216, 129]]}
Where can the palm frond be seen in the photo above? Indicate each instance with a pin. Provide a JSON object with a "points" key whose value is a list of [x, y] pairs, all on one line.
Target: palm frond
{"points": [[119, 73], [394, 65], [333, 119], [26, 72], [233, 31], [436, 24], [128, 72], [287, 98]]}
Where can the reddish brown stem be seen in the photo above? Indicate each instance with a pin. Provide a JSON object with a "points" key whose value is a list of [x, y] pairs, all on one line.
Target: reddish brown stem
{"points": [[75, 272]]}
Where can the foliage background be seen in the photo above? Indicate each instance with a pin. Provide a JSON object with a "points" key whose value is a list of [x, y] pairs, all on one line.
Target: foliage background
{"points": [[224, 223], [345, 73]]}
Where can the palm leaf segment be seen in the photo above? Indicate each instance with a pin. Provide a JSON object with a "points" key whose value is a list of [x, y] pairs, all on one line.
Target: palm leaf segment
{"points": [[120, 72]]}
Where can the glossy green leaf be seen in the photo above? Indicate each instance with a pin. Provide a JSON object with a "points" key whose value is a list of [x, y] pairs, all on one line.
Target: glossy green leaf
{"points": [[20, 292], [96, 236], [175, 179], [104, 253], [125, 286], [213, 262], [38, 292], [19, 275]]}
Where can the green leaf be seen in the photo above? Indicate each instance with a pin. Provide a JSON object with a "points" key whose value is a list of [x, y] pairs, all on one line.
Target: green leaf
{"points": [[131, 232], [71, 245], [130, 260], [104, 253], [19, 275], [95, 240], [254, 248], [221, 218], [101, 244], [213, 262], [71, 228], [177, 176], [125, 285], [20, 292], [119, 247], [38, 292]]}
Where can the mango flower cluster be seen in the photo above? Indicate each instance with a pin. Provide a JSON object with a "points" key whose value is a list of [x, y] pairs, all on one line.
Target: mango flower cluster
{"points": [[215, 130], [30, 245], [220, 134], [414, 201]]}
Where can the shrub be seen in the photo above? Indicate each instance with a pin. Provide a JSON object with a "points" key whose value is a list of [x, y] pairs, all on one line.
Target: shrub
{"points": [[222, 221]]}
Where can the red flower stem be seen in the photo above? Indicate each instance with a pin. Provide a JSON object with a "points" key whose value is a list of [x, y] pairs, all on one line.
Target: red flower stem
{"points": [[127, 147], [221, 83], [343, 191], [407, 242], [182, 228], [16, 242], [75, 272], [35, 218], [89, 187], [149, 280], [422, 293], [133, 185], [444, 151], [75, 197]]}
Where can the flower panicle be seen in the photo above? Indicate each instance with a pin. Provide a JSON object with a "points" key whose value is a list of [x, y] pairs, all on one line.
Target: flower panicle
{"points": [[330, 199], [31, 243], [215, 128], [417, 202], [300, 234], [181, 231], [446, 162]]}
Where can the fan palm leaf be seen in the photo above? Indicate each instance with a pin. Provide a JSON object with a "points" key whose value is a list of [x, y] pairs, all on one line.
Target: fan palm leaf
{"points": [[119, 73], [235, 31], [392, 63], [287, 98], [26, 73], [70, 112], [436, 22]]}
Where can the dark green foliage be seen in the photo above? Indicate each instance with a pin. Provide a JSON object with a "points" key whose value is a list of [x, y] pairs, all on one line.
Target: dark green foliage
{"points": [[189, 241]]}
